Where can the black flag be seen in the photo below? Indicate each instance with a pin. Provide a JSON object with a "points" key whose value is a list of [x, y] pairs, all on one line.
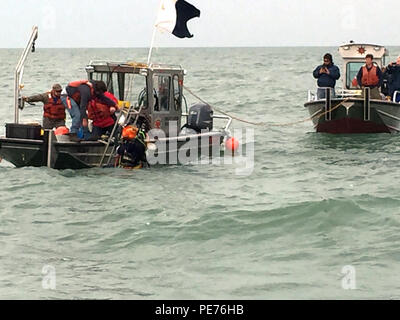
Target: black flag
{"points": [[184, 12], [173, 16]]}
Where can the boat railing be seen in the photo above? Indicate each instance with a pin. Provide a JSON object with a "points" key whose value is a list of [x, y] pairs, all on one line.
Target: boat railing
{"points": [[229, 122], [311, 96], [217, 116], [186, 137], [103, 62], [339, 93], [141, 67], [396, 97], [165, 66], [314, 96], [349, 92]]}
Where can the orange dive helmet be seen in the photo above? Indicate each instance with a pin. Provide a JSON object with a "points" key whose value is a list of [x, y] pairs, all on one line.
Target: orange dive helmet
{"points": [[129, 132]]}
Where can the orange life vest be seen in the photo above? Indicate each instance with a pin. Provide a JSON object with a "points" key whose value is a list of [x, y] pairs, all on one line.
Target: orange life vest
{"points": [[369, 78], [354, 82], [75, 84], [54, 109], [97, 110], [100, 112]]}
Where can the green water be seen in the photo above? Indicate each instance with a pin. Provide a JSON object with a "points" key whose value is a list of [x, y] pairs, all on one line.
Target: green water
{"points": [[312, 204]]}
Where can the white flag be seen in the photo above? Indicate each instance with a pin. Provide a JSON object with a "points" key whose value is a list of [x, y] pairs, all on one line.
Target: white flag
{"points": [[166, 18]]}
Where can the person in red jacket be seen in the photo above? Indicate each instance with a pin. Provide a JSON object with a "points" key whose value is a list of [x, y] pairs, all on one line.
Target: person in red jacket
{"points": [[76, 100], [102, 114], [53, 108]]}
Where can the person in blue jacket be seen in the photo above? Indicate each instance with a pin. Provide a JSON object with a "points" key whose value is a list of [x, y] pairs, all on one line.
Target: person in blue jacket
{"points": [[327, 74], [393, 70]]}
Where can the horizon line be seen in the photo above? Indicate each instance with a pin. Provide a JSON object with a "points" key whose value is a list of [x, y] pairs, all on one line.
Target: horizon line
{"points": [[203, 47]]}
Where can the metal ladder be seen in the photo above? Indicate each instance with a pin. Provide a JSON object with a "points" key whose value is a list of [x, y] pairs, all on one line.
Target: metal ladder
{"points": [[128, 114]]}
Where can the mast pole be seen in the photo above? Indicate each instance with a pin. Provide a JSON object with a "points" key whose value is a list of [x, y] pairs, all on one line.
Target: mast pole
{"points": [[154, 35], [151, 45], [19, 71]]}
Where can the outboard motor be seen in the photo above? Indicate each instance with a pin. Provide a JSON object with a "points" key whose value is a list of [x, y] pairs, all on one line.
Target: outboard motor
{"points": [[200, 117], [187, 131]]}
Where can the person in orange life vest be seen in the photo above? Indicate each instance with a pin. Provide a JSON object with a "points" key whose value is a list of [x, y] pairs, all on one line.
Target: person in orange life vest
{"points": [[53, 108], [77, 97], [370, 76], [101, 113]]}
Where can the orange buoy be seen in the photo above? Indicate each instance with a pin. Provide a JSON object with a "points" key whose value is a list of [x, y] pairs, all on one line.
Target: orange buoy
{"points": [[232, 144], [61, 131]]}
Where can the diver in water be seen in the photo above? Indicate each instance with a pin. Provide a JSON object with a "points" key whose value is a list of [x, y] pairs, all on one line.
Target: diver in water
{"points": [[132, 152]]}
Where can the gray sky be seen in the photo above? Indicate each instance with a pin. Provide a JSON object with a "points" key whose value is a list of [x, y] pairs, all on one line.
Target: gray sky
{"points": [[129, 23]]}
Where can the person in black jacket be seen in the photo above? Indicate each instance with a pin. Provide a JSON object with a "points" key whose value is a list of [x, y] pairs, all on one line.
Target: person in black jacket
{"points": [[393, 70], [386, 79], [327, 74]]}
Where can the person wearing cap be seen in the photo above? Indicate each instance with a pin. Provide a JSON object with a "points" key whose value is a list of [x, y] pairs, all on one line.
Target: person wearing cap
{"points": [[370, 75], [393, 70], [53, 108], [327, 74]]}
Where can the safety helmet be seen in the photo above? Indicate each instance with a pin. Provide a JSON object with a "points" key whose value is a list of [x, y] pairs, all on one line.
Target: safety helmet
{"points": [[129, 132]]}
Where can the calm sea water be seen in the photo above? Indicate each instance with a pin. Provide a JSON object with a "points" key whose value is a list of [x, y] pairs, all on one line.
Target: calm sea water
{"points": [[313, 204]]}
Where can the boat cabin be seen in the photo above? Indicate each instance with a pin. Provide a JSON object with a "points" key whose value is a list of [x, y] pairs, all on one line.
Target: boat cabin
{"points": [[155, 88], [353, 56]]}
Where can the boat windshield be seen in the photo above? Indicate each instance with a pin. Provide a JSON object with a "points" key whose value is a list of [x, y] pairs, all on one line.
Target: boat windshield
{"points": [[135, 88], [352, 70], [162, 85], [125, 86]]}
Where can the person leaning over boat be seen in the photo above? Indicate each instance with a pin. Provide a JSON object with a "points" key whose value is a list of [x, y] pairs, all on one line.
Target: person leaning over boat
{"points": [[76, 98], [327, 74], [394, 85], [370, 75], [53, 108], [102, 114]]}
